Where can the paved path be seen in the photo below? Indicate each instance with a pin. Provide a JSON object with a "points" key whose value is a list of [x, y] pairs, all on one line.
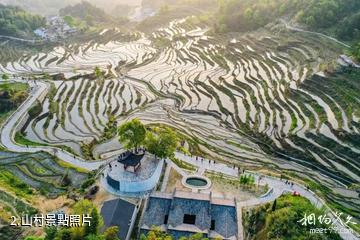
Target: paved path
{"points": [[170, 165], [277, 187], [166, 178], [205, 164], [22, 39], [7, 132], [239, 222]]}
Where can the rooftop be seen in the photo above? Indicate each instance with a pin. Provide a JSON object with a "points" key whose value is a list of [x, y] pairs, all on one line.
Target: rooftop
{"points": [[119, 213], [187, 212], [147, 168], [131, 159]]}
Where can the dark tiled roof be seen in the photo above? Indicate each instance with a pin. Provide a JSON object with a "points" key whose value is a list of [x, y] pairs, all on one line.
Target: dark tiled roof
{"points": [[156, 211], [225, 220], [181, 206], [131, 159], [203, 207], [118, 212]]}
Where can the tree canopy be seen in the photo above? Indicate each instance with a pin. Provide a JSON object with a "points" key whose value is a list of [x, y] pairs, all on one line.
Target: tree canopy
{"points": [[157, 234], [98, 73], [282, 220], [86, 232], [11, 96], [356, 51], [87, 12], [5, 77], [338, 17], [111, 233], [160, 141], [14, 21], [132, 134], [162, 144]]}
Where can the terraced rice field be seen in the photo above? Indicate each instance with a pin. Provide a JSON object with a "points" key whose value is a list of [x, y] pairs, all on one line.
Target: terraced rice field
{"points": [[39, 171], [253, 98]]}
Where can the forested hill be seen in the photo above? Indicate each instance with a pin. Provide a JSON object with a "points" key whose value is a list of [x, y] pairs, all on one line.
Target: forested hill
{"points": [[86, 12], [340, 18], [14, 21], [168, 10], [156, 4]]}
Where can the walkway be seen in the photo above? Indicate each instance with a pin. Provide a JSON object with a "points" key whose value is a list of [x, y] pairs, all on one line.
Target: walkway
{"points": [[22, 39], [209, 165], [239, 221], [8, 133], [169, 166], [277, 188]]}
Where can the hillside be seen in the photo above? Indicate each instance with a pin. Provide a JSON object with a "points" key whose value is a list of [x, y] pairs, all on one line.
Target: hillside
{"points": [[14, 21], [156, 4], [86, 12], [11, 96], [178, 9], [336, 17], [280, 220], [51, 7]]}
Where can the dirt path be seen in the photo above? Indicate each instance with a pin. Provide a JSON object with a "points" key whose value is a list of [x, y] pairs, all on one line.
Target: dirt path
{"points": [[288, 26]]}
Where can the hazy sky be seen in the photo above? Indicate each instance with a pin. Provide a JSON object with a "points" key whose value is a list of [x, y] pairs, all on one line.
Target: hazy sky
{"points": [[51, 7]]}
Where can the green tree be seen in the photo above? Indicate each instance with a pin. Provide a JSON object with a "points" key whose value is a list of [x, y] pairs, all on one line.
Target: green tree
{"points": [[15, 21], [197, 236], [247, 179], [249, 13], [356, 51], [69, 20], [98, 73], [94, 237], [132, 134], [283, 223], [157, 234], [64, 234], [162, 144], [5, 76], [66, 180], [143, 237], [273, 208], [50, 233], [111, 233], [33, 238], [94, 225], [85, 207]]}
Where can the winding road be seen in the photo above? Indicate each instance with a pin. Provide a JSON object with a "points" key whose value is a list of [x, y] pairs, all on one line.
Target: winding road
{"points": [[21, 39], [277, 186], [7, 130]]}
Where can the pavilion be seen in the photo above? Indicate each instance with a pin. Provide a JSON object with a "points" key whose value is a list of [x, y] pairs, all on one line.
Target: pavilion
{"points": [[132, 174], [131, 160]]}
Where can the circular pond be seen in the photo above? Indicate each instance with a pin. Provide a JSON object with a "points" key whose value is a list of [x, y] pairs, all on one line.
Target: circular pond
{"points": [[196, 182]]}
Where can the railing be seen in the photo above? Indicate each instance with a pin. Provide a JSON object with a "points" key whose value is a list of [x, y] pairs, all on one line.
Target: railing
{"points": [[138, 186], [315, 196]]}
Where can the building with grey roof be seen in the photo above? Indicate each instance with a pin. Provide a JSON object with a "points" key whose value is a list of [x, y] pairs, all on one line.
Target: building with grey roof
{"points": [[186, 213], [119, 213]]}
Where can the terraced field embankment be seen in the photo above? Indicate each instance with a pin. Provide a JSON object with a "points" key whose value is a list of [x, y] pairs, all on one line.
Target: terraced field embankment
{"points": [[255, 99]]}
